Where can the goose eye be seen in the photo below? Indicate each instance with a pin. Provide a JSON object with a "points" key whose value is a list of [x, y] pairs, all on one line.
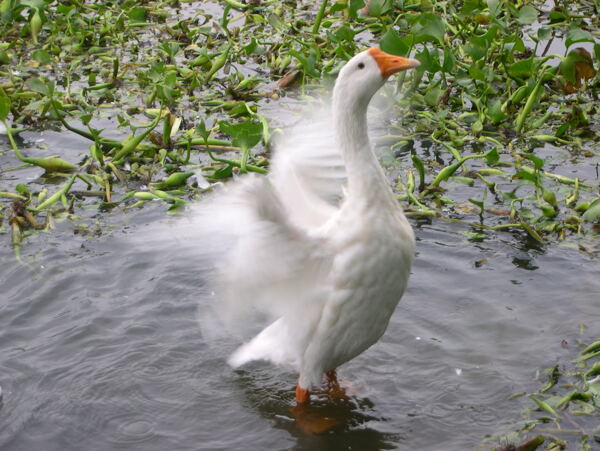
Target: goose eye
{"points": [[361, 65]]}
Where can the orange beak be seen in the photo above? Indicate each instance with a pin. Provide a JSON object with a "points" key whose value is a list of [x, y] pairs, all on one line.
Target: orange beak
{"points": [[390, 64]]}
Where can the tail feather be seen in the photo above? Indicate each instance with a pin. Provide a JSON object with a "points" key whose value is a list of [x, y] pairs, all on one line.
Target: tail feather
{"points": [[272, 344]]}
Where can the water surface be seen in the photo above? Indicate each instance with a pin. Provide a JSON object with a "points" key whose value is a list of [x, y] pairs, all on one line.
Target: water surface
{"points": [[101, 347]]}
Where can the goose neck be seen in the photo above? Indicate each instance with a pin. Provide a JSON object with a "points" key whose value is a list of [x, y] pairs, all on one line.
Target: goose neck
{"points": [[364, 172]]}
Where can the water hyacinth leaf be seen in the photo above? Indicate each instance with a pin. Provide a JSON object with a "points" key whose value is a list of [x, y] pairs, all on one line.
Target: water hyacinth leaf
{"points": [[35, 25], [420, 167], [137, 14], [4, 106], [429, 61], [345, 33], [470, 7], [494, 7], [202, 131], [218, 62], [494, 112], [22, 189], [538, 163], [41, 56], [544, 406], [549, 197], [476, 48], [377, 8], [355, 6], [592, 214], [175, 179], [276, 22], [577, 67], [40, 86], [429, 27], [544, 33], [527, 15], [34, 4], [575, 35], [393, 44], [528, 107], [521, 69], [244, 135], [492, 157], [449, 61], [557, 16], [595, 346], [433, 94], [56, 196], [478, 203], [524, 175], [309, 62]]}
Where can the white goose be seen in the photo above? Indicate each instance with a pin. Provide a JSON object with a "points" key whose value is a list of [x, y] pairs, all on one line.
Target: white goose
{"points": [[323, 245]]}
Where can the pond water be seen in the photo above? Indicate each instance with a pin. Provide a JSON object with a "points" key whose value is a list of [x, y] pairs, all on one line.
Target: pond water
{"points": [[101, 346]]}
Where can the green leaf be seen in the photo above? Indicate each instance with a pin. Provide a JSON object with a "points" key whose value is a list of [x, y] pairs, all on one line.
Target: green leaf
{"points": [[433, 94], [40, 86], [557, 17], [478, 203], [494, 112], [544, 33], [429, 27], [494, 7], [354, 7], [538, 163], [521, 69], [544, 406], [492, 157], [429, 61], [476, 48], [592, 214], [4, 105], [137, 14], [275, 21], [527, 15], [345, 33], [308, 62], [244, 135], [22, 189], [449, 61], [524, 175], [392, 43], [377, 8], [575, 35], [34, 4], [41, 56], [567, 66]]}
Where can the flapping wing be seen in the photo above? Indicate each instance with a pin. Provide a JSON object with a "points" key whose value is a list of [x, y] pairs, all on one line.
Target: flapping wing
{"points": [[308, 171]]}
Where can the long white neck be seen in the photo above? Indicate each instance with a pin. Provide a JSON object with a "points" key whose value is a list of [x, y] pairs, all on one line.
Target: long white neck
{"points": [[366, 180]]}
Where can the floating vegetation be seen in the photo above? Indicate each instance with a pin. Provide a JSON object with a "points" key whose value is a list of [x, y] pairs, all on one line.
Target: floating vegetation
{"points": [[564, 412], [491, 111]]}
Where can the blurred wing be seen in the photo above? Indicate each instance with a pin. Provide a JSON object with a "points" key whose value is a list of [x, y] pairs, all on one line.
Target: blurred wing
{"points": [[268, 266], [308, 171]]}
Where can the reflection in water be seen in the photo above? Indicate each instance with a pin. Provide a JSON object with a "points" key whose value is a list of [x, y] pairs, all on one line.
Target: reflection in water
{"points": [[346, 421]]}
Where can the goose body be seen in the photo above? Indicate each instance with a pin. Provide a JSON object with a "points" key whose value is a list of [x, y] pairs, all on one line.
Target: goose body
{"points": [[323, 245]]}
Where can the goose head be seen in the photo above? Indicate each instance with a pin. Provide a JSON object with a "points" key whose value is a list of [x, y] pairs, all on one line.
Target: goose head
{"points": [[363, 75]]}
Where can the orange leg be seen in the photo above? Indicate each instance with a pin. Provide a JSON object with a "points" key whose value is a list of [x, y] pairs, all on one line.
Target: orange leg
{"points": [[332, 377], [302, 395], [334, 389]]}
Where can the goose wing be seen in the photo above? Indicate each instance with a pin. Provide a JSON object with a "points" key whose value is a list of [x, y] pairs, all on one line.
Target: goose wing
{"points": [[308, 171]]}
